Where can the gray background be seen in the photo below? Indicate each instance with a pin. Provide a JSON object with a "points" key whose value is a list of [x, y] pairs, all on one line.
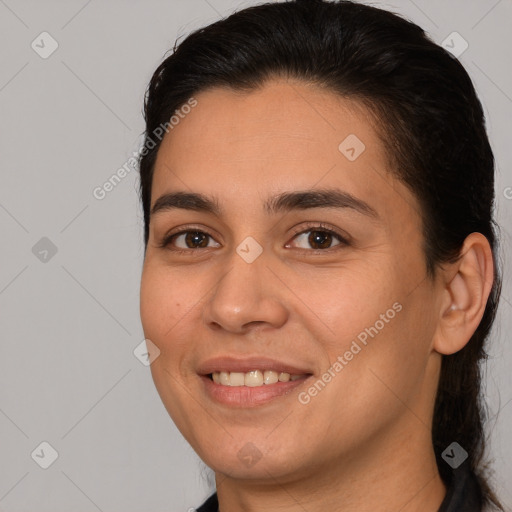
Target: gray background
{"points": [[70, 320]]}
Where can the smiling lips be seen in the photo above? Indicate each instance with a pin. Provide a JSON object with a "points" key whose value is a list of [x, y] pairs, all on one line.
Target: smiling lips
{"points": [[251, 381]]}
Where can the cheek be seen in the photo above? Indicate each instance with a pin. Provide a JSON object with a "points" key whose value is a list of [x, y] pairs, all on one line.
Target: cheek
{"points": [[170, 302], [374, 384], [162, 303], [388, 359], [162, 309], [339, 304], [381, 334]]}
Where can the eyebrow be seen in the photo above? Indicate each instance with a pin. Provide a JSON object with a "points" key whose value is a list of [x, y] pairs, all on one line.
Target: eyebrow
{"points": [[283, 202]]}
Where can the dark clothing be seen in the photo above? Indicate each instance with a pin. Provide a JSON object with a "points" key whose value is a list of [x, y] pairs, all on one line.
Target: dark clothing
{"points": [[462, 495]]}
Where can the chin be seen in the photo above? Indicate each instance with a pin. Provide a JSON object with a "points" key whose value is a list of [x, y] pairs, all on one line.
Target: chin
{"points": [[259, 459]]}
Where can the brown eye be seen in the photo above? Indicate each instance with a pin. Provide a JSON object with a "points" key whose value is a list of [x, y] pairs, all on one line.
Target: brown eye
{"points": [[196, 237], [188, 240], [319, 239]]}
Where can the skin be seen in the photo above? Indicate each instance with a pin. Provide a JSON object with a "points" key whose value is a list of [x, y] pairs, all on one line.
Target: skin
{"points": [[364, 441]]}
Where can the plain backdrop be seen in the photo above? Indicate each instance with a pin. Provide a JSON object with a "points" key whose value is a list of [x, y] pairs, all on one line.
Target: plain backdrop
{"points": [[70, 263]]}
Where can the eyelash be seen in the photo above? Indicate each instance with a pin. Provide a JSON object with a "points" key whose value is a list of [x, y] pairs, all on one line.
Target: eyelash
{"points": [[320, 227]]}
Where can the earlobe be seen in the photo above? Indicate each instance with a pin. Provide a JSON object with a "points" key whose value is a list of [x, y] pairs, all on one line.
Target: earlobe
{"points": [[465, 288]]}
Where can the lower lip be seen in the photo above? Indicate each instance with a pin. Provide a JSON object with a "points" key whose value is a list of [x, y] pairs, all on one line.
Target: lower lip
{"points": [[246, 396]]}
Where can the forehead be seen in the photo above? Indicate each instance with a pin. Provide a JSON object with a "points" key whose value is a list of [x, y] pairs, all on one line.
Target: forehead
{"points": [[279, 115], [285, 135]]}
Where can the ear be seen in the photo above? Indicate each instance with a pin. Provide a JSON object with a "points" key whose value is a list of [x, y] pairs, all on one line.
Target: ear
{"points": [[464, 289]]}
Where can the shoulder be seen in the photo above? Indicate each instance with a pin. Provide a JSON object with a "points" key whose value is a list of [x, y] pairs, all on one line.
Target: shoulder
{"points": [[210, 505]]}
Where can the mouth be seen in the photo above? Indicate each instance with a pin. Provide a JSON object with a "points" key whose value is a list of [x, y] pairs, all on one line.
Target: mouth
{"points": [[254, 378], [250, 382]]}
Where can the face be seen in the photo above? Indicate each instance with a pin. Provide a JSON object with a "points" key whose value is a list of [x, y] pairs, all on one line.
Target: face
{"points": [[294, 252]]}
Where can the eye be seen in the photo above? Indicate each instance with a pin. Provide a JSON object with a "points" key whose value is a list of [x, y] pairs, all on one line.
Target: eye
{"points": [[187, 240], [319, 238]]}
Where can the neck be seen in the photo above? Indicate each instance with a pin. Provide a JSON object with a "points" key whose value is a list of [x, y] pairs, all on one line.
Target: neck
{"points": [[401, 475]]}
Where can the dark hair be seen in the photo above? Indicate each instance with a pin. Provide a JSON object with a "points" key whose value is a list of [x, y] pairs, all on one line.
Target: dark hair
{"points": [[428, 115]]}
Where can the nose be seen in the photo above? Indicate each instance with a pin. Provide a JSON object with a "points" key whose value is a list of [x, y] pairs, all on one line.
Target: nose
{"points": [[246, 295]]}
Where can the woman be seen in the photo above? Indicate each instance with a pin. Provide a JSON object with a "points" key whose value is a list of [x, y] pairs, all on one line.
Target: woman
{"points": [[320, 273]]}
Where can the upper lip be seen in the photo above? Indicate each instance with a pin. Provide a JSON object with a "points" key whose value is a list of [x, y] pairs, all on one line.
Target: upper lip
{"points": [[247, 364]]}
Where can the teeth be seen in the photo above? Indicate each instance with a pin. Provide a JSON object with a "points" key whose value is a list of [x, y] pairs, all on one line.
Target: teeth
{"points": [[270, 377], [253, 378], [284, 377], [236, 379]]}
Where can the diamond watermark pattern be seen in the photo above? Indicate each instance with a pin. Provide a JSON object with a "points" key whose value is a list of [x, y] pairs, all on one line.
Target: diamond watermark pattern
{"points": [[44, 45], [44, 250], [454, 455], [146, 352], [249, 249], [249, 455], [351, 147], [44, 455], [455, 44]]}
